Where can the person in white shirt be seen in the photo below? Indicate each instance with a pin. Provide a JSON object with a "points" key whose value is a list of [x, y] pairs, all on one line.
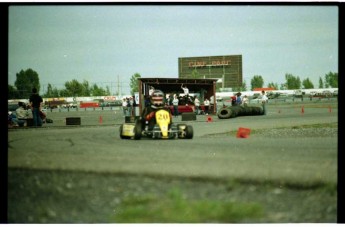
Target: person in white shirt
{"points": [[21, 111], [245, 101], [175, 104], [152, 89], [130, 105], [186, 93], [124, 106], [207, 106], [22, 114], [185, 89], [264, 100], [197, 105]]}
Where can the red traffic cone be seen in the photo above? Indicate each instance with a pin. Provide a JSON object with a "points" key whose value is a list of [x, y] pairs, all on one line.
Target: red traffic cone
{"points": [[100, 119], [243, 132]]}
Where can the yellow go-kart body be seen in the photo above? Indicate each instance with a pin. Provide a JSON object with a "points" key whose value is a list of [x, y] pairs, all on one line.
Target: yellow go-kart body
{"points": [[163, 129], [163, 120]]}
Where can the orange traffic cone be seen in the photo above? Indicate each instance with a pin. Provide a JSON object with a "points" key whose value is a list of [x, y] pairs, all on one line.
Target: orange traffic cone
{"points": [[302, 110], [243, 132], [100, 119]]}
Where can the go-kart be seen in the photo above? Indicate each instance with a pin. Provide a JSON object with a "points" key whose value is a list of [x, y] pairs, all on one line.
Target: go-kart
{"points": [[163, 129]]}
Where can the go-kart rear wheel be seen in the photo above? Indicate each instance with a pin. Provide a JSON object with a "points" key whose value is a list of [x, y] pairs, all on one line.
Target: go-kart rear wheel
{"points": [[189, 132], [185, 131], [137, 131]]}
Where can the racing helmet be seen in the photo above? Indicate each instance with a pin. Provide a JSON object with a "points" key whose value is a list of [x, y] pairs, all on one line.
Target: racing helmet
{"points": [[157, 98]]}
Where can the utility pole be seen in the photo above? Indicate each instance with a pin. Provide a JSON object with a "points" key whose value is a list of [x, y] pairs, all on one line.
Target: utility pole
{"points": [[223, 77]]}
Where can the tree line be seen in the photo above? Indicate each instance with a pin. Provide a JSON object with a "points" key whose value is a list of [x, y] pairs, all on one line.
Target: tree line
{"points": [[294, 82], [27, 79]]}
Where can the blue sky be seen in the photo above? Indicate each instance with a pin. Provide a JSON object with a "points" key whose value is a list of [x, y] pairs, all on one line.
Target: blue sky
{"points": [[107, 44]]}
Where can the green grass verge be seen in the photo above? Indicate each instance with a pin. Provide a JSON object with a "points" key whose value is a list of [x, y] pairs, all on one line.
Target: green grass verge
{"points": [[175, 208]]}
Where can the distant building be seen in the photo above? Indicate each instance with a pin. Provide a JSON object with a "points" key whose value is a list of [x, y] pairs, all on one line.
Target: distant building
{"points": [[227, 68]]}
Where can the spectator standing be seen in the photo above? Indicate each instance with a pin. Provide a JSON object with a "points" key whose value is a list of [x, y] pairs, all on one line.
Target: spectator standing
{"points": [[264, 100], [175, 104], [245, 101], [151, 90], [233, 100], [197, 105], [238, 99], [207, 106], [214, 103], [134, 104], [36, 103], [186, 93], [124, 106], [147, 100], [171, 98], [130, 106]]}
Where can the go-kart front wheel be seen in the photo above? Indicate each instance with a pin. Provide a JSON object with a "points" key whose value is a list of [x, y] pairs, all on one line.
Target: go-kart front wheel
{"points": [[185, 131]]}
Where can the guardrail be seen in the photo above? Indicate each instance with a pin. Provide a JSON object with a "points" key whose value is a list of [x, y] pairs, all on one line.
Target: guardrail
{"points": [[285, 100], [219, 104], [114, 108]]}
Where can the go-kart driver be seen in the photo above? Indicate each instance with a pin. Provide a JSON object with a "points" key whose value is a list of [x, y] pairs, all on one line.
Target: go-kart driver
{"points": [[156, 103]]}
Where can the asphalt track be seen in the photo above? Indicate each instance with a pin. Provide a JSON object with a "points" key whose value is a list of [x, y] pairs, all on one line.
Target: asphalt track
{"points": [[80, 174], [95, 146]]}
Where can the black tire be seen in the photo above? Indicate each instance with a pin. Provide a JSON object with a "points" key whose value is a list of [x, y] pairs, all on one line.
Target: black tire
{"points": [[257, 111], [248, 111], [137, 131], [236, 111], [120, 131], [189, 132], [224, 113]]}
